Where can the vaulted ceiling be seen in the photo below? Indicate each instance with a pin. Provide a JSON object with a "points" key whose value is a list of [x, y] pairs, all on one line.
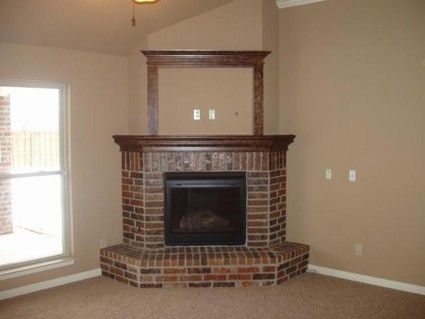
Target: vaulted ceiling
{"points": [[92, 25]]}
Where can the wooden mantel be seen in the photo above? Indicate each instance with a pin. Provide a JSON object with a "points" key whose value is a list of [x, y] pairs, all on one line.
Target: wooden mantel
{"points": [[205, 58], [143, 143]]}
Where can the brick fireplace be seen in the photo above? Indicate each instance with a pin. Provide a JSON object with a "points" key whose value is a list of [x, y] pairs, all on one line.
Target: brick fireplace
{"points": [[144, 260], [204, 211]]}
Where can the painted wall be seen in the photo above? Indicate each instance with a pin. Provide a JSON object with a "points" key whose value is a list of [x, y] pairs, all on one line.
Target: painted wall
{"points": [[234, 26], [239, 25], [98, 109], [352, 88], [229, 91], [137, 90], [271, 68]]}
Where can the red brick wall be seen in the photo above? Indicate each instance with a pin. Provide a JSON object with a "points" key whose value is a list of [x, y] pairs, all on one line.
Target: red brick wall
{"points": [[143, 192], [6, 223], [266, 259], [212, 266]]}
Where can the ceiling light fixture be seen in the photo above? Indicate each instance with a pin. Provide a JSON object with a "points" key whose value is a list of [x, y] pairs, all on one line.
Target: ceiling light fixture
{"points": [[133, 19]]}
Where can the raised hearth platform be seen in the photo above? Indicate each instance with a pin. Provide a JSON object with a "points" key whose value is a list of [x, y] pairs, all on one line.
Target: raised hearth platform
{"points": [[204, 266], [145, 260]]}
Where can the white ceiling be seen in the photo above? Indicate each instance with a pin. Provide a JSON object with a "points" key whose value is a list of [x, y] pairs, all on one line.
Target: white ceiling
{"points": [[92, 25]]}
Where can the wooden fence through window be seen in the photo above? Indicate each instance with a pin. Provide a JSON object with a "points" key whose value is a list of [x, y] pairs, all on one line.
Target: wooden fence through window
{"points": [[32, 149]]}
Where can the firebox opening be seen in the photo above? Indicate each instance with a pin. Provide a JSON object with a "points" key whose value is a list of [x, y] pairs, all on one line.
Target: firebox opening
{"points": [[205, 208]]}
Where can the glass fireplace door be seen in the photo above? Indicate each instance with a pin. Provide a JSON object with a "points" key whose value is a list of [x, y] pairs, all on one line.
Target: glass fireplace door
{"points": [[205, 208]]}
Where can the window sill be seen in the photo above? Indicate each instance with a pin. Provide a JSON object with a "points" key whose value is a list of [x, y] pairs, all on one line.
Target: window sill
{"points": [[35, 268]]}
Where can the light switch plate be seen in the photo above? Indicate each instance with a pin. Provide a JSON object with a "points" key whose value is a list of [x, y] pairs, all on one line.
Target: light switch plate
{"points": [[358, 249], [211, 114], [352, 175], [196, 114], [328, 173]]}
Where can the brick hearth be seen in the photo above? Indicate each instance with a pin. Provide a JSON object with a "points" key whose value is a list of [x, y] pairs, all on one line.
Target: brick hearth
{"points": [[144, 261], [206, 266]]}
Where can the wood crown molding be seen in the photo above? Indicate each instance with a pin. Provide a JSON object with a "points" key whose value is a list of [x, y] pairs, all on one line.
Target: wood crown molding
{"points": [[229, 143], [282, 4]]}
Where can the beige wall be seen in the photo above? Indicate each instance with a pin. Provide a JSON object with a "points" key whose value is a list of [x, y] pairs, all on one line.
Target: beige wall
{"points": [[352, 88], [227, 90], [234, 26], [239, 25], [137, 90], [271, 68], [98, 109]]}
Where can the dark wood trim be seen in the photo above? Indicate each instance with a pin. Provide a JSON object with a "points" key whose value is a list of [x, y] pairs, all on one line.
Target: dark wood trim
{"points": [[249, 143], [153, 116], [258, 114], [205, 58]]}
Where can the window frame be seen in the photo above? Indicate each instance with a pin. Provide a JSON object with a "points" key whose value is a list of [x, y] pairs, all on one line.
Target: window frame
{"points": [[63, 173]]}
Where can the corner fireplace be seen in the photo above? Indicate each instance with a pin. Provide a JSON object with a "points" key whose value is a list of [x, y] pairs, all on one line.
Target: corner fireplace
{"points": [[205, 208], [225, 194]]}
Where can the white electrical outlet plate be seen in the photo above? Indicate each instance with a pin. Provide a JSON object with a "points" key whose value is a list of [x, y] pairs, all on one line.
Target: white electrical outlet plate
{"points": [[211, 114], [352, 175], [196, 114], [328, 174], [358, 249]]}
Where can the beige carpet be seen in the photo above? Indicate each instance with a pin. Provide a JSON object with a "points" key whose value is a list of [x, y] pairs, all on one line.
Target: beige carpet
{"points": [[307, 296]]}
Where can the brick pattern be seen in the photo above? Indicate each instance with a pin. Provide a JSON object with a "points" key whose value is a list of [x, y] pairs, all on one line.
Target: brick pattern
{"points": [[6, 222], [258, 209], [133, 199], [144, 261], [182, 161], [206, 266], [143, 192], [277, 209]]}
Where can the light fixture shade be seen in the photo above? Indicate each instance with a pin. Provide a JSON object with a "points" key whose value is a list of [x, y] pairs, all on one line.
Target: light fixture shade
{"points": [[133, 19]]}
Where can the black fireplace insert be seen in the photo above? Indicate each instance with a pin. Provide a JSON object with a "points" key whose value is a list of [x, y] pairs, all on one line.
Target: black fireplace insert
{"points": [[205, 208]]}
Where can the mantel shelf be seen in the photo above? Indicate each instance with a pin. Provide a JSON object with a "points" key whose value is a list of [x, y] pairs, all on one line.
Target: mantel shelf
{"points": [[264, 143]]}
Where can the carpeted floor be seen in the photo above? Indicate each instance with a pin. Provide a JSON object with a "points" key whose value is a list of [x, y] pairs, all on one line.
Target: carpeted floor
{"points": [[307, 296]]}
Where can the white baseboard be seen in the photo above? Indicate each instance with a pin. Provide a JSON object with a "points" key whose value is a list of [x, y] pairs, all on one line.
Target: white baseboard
{"points": [[49, 284], [397, 285]]}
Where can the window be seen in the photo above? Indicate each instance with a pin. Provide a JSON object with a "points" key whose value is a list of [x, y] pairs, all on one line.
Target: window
{"points": [[33, 174]]}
